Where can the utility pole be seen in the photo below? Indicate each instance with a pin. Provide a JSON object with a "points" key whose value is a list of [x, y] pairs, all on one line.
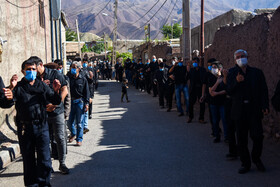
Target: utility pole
{"points": [[115, 33], [78, 33], [105, 46], [186, 31], [202, 34]]}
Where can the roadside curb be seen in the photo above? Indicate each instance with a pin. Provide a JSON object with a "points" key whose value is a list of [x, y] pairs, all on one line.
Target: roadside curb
{"points": [[9, 153]]}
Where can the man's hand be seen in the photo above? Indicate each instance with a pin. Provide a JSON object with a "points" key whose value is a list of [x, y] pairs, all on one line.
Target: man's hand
{"points": [[90, 75], [86, 108], [219, 80], [213, 93], [13, 81], [239, 78], [202, 98], [8, 93], [265, 112], [225, 72], [51, 107], [56, 85], [48, 82]]}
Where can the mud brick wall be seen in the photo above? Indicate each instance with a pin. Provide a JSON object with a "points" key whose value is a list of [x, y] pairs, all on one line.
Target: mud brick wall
{"points": [[260, 37]]}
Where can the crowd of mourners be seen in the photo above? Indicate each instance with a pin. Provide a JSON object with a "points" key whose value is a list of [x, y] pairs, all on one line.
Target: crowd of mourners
{"points": [[47, 102]]}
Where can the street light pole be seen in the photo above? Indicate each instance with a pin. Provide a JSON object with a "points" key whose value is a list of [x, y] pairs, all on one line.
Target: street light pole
{"points": [[115, 32], [105, 46], [186, 48]]}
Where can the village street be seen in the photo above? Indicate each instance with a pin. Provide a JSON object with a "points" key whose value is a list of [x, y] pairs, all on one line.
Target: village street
{"points": [[138, 144]]}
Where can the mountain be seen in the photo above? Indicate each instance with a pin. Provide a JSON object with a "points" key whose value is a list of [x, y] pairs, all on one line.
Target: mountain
{"points": [[131, 19]]}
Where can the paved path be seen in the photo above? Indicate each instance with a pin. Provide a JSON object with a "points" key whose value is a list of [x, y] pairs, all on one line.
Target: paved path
{"points": [[138, 144]]}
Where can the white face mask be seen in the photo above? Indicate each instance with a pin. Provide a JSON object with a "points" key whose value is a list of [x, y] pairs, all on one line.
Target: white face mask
{"points": [[242, 62], [215, 71]]}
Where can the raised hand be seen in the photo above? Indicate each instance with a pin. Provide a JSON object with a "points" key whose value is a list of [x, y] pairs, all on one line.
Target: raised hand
{"points": [[56, 85]]}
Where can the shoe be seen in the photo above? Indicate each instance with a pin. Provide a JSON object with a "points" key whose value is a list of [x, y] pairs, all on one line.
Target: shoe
{"points": [[226, 140], [168, 110], [63, 169], [181, 114], [231, 156], [189, 120], [243, 170], [162, 107], [216, 140], [260, 166], [212, 135], [86, 130], [90, 117], [128, 101], [79, 144], [121, 101], [72, 138], [202, 121]]}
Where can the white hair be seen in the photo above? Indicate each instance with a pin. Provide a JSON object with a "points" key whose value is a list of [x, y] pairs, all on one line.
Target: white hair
{"points": [[77, 63], [160, 60], [240, 51]]}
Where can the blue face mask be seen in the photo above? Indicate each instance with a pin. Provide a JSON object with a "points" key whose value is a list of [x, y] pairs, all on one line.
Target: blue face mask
{"points": [[85, 65], [148, 63], [61, 70], [161, 69], [30, 75], [180, 64], [73, 71], [209, 68], [195, 65], [140, 63], [154, 60], [141, 73]]}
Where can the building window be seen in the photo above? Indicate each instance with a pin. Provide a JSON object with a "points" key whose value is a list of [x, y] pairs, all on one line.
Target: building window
{"points": [[41, 14]]}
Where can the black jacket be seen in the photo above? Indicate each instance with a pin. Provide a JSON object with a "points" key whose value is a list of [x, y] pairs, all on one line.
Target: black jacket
{"points": [[192, 76], [253, 90]]}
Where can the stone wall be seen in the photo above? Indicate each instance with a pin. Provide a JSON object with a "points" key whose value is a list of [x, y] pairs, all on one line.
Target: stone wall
{"points": [[260, 37]]}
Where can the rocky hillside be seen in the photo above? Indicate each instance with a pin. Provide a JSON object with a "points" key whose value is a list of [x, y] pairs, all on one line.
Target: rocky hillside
{"points": [[130, 14]]}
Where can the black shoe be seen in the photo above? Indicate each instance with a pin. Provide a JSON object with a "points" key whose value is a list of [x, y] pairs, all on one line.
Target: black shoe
{"points": [[216, 140], [128, 101], [226, 140], [260, 166], [181, 114], [168, 110], [202, 121], [231, 156], [86, 130], [243, 170], [90, 117], [63, 169], [189, 120], [162, 107]]}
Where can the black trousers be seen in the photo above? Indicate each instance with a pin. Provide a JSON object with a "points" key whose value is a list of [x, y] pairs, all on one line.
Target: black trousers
{"points": [[161, 94], [195, 95], [169, 90], [124, 94], [148, 85], [34, 140], [245, 125], [231, 128]]}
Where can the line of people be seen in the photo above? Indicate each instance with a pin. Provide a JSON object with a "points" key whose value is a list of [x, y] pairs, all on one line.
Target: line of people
{"points": [[237, 97], [46, 103]]}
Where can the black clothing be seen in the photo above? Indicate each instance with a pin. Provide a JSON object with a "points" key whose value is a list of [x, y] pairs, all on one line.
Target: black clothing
{"points": [[161, 77], [79, 88], [220, 99], [85, 72], [124, 92], [180, 74], [31, 101], [4, 103], [51, 75], [249, 98]]}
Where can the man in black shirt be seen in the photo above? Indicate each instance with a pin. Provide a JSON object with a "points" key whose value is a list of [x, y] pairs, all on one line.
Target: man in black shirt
{"points": [[153, 69], [248, 89], [180, 75], [197, 89], [31, 97], [161, 77], [55, 119], [79, 102]]}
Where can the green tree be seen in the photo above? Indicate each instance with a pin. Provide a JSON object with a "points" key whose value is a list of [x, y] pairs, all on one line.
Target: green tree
{"points": [[71, 35], [85, 49], [98, 48], [166, 30]]}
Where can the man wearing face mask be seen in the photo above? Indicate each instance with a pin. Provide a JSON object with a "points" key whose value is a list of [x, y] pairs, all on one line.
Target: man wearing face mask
{"points": [[248, 89], [161, 77], [197, 89], [31, 97], [80, 95], [153, 68], [179, 72], [55, 119], [147, 74]]}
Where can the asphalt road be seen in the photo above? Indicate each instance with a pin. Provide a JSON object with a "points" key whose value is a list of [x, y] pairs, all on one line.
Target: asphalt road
{"points": [[139, 144]]}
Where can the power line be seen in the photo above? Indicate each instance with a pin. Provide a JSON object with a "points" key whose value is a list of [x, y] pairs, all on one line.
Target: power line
{"points": [[147, 11], [166, 19], [34, 3], [150, 18]]}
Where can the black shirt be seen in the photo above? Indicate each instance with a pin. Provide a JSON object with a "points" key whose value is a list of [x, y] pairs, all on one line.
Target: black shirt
{"points": [[197, 78], [124, 88], [79, 88], [31, 100], [51, 74], [220, 99], [180, 74]]}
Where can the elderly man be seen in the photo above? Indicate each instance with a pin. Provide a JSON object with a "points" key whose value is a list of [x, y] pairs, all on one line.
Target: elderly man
{"points": [[79, 102], [249, 92]]}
